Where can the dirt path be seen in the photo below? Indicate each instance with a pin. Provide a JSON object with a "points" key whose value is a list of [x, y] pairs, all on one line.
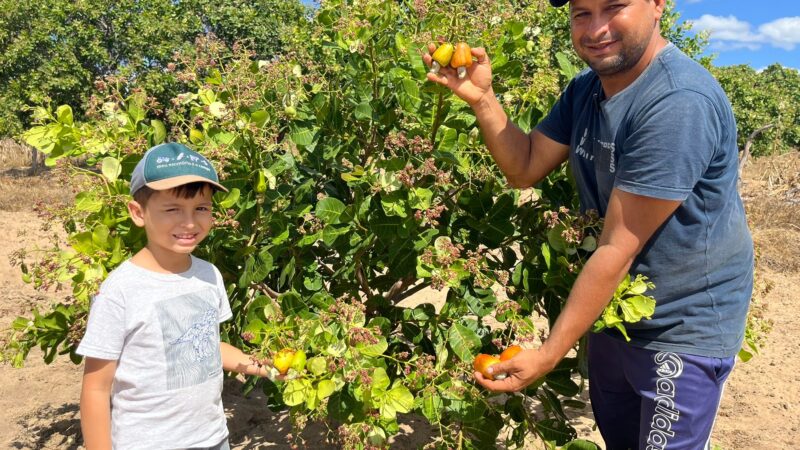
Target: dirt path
{"points": [[39, 403], [761, 405]]}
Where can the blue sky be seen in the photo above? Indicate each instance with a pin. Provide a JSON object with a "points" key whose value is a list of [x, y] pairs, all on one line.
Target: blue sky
{"points": [[758, 33]]}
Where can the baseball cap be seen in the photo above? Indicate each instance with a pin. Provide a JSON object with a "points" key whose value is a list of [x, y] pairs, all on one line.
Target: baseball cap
{"points": [[558, 3], [170, 165]]}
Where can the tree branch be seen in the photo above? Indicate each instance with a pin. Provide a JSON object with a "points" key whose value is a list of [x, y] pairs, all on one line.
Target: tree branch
{"points": [[362, 279], [397, 288], [746, 151], [404, 295], [268, 291]]}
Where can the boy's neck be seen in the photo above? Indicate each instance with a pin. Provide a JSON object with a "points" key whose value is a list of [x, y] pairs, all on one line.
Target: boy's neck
{"points": [[158, 260]]}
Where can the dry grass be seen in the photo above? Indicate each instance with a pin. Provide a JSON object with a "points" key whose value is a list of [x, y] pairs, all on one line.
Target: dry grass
{"points": [[20, 192], [771, 192], [14, 156]]}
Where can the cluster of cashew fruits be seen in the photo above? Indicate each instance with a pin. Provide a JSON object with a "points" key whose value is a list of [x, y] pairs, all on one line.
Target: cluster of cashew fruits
{"points": [[458, 57], [483, 361]]}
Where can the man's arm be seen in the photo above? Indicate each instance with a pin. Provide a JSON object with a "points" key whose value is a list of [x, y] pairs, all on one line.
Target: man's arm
{"points": [[630, 222], [98, 377], [525, 159]]}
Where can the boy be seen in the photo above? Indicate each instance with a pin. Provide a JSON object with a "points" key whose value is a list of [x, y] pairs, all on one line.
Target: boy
{"points": [[154, 360]]}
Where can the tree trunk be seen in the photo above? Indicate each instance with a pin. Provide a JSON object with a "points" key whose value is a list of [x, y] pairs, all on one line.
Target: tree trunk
{"points": [[746, 152]]}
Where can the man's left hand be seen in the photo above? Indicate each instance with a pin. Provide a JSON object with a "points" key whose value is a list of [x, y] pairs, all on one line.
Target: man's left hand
{"points": [[521, 370]]}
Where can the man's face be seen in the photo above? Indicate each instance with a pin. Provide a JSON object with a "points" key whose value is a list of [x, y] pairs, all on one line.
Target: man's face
{"points": [[612, 35], [175, 224]]}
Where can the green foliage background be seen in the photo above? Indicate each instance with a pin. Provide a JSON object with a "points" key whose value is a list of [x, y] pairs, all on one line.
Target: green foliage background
{"points": [[354, 184], [771, 96], [53, 51]]}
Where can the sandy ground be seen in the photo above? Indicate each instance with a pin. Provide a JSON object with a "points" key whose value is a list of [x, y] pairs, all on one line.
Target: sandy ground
{"points": [[39, 403]]}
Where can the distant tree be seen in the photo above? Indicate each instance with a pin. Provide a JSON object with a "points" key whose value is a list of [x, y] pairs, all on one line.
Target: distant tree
{"points": [[771, 96], [52, 51]]}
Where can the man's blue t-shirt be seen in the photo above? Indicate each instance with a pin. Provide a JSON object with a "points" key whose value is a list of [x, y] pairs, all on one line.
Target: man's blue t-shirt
{"points": [[670, 135]]}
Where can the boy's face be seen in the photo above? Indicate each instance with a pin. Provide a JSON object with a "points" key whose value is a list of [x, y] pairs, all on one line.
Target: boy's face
{"points": [[172, 223]]}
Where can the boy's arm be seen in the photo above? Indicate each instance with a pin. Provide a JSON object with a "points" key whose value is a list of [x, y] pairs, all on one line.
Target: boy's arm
{"points": [[98, 377], [235, 360]]}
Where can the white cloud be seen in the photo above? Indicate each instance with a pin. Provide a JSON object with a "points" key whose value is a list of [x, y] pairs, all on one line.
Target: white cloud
{"points": [[783, 33], [724, 46], [730, 33]]}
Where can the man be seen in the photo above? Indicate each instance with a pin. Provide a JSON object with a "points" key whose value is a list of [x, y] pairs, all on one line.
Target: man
{"points": [[651, 140]]}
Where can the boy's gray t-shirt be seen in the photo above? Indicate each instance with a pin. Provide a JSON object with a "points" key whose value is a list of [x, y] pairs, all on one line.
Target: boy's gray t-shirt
{"points": [[670, 135], [163, 331]]}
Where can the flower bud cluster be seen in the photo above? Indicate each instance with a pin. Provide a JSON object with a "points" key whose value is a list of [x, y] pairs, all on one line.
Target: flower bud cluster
{"points": [[346, 309], [226, 219], [430, 215], [364, 336]]}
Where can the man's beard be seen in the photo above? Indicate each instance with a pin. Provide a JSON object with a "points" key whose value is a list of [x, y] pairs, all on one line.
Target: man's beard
{"points": [[627, 58]]}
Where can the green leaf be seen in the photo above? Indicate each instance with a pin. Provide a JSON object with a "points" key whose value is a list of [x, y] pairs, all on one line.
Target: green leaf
{"points": [[325, 388], [380, 381], [463, 341], [408, 96], [412, 55], [230, 199], [567, 68], [159, 131], [111, 168], [100, 234], [744, 355], [555, 430], [589, 244], [448, 139], [580, 444], [499, 220], [546, 255], [64, 115], [88, 202], [638, 286], [432, 406], [385, 227], [296, 392], [207, 96], [256, 327], [292, 303], [336, 349], [398, 400], [302, 136], [317, 365], [394, 204], [376, 349], [83, 243], [420, 198], [646, 306], [259, 117], [329, 209], [363, 111], [257, 267], [561, 382]]}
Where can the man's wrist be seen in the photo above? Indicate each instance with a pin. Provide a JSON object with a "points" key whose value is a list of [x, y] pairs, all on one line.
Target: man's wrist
{"points": [[549, 357], [486, 103]]}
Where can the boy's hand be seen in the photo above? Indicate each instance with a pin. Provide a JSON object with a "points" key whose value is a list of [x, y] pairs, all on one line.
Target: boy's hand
{"points": [[471, 88]]}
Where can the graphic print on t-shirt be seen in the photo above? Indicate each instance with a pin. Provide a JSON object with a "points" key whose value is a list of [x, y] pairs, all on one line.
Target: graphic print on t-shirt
{"points": [[190, 329]]}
